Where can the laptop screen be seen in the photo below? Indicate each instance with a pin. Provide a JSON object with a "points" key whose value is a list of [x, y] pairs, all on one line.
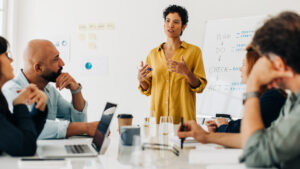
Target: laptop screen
{"points": [[103, 125]]}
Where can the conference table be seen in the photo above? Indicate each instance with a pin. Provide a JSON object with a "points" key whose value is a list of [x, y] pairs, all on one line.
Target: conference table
{"points": [[118, 156]]}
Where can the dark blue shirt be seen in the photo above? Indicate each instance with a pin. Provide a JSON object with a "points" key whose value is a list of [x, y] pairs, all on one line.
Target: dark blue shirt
{"points": [[271, 103], [19, 130]]}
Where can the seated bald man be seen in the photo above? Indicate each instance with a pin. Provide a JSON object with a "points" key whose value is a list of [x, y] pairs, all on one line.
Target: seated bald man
{"points": [[42, 65]]}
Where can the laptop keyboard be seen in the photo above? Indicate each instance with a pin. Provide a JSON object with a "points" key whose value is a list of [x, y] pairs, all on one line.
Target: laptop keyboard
{"points": [[77, 149]]}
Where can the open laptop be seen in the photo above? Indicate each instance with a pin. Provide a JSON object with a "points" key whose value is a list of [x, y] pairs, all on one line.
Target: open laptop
{"points": [[79, 150]]}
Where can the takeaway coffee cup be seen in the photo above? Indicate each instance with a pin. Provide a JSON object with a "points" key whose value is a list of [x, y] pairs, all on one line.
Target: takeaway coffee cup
{"points": [[124, 120], [128, 133]]}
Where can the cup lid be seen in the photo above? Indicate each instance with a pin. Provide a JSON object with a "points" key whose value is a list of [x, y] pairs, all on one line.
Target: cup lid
{"points": [[125, 116]]}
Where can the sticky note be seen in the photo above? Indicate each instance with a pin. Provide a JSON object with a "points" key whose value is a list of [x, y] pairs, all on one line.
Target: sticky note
{"points": [[82, 36], [92, 36], [110, 26], [100, 26], [92, 27], [92, 45], [82, 27]]}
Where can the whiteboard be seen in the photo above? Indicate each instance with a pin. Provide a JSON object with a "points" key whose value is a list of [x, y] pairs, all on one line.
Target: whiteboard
{"points": [[224, 46]]}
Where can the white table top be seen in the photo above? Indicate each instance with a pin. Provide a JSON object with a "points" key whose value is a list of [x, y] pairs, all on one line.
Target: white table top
{"points": [[118, 156]]}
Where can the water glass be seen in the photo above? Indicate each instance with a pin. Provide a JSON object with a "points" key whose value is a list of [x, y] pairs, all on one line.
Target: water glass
{"points": [[166, 125]]}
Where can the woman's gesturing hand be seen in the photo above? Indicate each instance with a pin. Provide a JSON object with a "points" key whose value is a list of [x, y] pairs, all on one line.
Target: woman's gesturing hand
{"points": [[144, 72], [178, 67]]}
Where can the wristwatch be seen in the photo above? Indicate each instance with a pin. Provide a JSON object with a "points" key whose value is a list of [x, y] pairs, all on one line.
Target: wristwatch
{"points": [[77, 90], [248, 95]]}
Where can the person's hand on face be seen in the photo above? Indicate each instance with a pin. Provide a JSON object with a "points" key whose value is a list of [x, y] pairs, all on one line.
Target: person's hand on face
{"points": [[264, 73], [144, 73], [178, 67], [31, 94], [192, 129], [65, 80], [211, 125]]}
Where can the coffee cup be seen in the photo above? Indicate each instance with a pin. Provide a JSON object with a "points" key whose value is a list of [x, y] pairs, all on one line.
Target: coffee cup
{"points": [[124, 120], [127, 134]]}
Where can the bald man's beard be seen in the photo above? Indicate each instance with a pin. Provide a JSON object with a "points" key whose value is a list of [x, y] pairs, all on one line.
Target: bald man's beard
{"points": [[52, 76]]}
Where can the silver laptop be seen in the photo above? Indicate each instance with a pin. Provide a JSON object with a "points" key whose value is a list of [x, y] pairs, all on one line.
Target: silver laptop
{"points": [[79, 150]]}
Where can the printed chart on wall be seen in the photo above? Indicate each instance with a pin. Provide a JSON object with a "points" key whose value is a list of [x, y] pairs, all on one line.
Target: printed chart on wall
{"points": [[62, 44], [223, 52]]}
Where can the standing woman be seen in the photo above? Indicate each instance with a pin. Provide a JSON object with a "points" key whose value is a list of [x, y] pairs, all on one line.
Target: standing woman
{"points": [[19, 130], [174, 71]]}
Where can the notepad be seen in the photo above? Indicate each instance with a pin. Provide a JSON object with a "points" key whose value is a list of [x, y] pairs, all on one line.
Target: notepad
{"points": [[216, 156], [188, 142], [227, 166]]}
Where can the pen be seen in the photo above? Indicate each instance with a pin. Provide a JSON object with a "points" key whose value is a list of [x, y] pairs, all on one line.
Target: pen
{"points": [[181, 129]]}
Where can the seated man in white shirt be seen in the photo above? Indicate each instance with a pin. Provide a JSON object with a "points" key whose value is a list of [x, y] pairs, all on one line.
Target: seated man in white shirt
{"points": [[42, 65]]}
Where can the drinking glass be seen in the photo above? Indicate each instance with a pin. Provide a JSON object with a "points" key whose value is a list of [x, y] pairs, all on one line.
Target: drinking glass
{"points": [[166, 125]]}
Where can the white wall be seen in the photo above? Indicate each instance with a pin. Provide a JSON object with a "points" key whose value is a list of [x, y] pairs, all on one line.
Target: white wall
{"points": [[139, 28]]}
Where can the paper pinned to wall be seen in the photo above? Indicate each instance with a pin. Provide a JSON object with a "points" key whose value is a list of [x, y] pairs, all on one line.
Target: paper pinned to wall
{"points": [[90, 59], [92, 38], [93, 65]]}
